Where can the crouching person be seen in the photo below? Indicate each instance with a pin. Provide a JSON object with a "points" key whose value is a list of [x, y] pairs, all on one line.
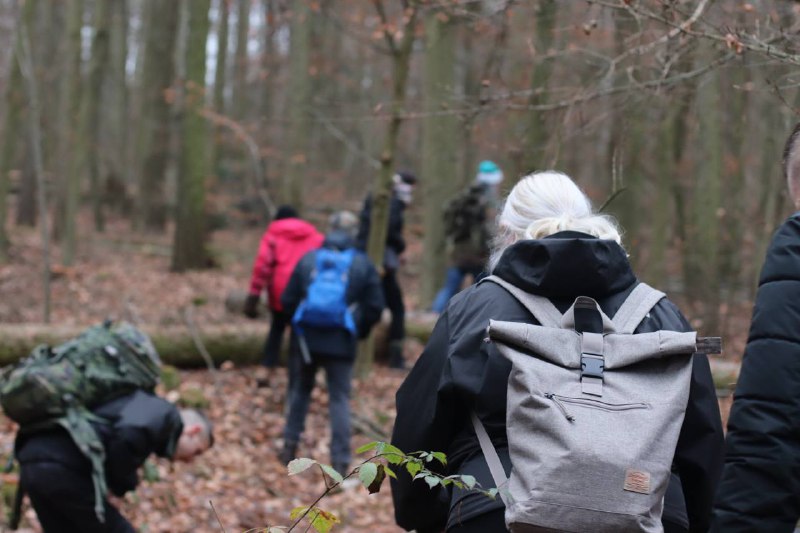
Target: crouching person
{"points": [[57, 476], [335, 298]]}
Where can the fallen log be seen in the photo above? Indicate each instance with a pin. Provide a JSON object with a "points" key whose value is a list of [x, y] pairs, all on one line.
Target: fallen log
{"points": [[242, 342]]}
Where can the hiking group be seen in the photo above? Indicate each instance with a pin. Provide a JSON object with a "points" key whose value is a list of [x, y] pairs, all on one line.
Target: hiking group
{"points": [[582, 394]]}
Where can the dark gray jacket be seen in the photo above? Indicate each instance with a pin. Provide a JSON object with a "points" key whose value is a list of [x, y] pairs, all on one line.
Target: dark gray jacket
{"points": [[760, 486], [364, 293], [458, 372]]}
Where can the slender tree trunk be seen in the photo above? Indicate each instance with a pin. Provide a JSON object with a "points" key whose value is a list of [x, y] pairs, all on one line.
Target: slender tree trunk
{"points": [[536, 135], [702, 256], [48, 57], [382, 189], [12, 123], [92, 100], [219, 80], [26, 214], [72, 140], [25, 63], [439, 151], [119, 175], [189, 247], [154, 132], [299, 104], [240, 100]]}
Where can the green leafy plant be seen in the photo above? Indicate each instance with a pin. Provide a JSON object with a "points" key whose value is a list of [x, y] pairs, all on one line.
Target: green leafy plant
{"points": [[384, 460]]}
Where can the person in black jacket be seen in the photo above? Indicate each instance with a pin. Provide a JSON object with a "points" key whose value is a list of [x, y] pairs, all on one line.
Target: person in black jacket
{"points": [[57, 476], [760, 485], [334, 349], [402, 192], [549, 243]]}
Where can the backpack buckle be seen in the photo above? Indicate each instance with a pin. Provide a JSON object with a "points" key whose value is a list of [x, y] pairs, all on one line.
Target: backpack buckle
{"points": [[592, 366], [592, 363]]}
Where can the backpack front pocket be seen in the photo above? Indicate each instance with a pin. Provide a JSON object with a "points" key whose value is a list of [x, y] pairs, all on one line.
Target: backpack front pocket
{"points": [[563, 402]]}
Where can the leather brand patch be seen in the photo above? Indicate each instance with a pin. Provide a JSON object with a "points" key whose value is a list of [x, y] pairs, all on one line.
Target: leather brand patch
{"points": [[637, 481]]}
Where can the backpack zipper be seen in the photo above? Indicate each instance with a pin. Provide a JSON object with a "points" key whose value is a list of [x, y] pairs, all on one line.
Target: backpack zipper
{"points": [[561, 406], [595, 404]]}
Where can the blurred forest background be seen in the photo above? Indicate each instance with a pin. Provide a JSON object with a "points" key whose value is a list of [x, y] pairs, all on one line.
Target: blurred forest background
{"points": [[144, 144], [183, 117]]}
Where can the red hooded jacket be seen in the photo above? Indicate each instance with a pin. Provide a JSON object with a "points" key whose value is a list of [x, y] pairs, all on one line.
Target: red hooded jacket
{"points": [[282, 245]]}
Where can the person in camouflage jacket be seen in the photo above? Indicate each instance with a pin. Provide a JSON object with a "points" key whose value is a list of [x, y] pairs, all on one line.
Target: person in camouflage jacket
{"points": [[467, 219]]}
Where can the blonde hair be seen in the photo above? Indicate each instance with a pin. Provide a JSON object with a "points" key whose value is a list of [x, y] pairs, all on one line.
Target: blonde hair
{"points": [[544, 203]]}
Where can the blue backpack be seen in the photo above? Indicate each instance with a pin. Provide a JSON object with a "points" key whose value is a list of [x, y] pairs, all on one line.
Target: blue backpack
{"points": [[325, 305]]}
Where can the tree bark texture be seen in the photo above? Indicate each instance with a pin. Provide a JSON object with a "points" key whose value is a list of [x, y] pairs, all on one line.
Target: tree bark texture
{"points": [[439, 146], [299, 105], [189, 245], [154, 130]]}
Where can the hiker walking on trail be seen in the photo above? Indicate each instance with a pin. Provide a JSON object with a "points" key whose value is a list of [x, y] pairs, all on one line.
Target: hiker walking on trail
{"points": [[286, 240], [334, 297], [402, 194], [760, 489], [468, 219], [57, 476], [552, 249]]}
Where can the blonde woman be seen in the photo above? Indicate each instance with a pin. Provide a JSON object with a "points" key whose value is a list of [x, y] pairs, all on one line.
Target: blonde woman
{"points": [[550, 243]]}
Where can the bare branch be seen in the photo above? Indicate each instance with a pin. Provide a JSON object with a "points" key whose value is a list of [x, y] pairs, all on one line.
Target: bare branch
{"points": [[387, 35]]}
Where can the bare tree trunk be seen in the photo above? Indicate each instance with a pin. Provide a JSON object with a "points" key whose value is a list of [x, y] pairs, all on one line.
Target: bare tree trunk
{"points": [[25, 62], [537, 134], [382, 189], [219, 79], [92, 100], [119, 175], [72, 141], [154, 132], [240, 96], [439, 151], [12, 123], [299, 105], [702, 254], [189, 246]]}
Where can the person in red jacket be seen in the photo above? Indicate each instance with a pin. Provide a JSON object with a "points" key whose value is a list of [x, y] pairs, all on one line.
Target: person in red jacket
{"points": [[287, 239]]}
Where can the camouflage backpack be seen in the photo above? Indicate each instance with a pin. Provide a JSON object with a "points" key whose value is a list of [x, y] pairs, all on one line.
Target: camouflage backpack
{"points": [[59, 386]]}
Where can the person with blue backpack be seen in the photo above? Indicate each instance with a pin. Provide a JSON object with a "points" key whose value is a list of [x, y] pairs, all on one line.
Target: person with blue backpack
{"points": [[334, 297]]}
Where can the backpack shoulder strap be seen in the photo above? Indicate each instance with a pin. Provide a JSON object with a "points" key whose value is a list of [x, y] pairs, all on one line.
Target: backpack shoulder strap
{"points": [[540, 307], [635, 307]]}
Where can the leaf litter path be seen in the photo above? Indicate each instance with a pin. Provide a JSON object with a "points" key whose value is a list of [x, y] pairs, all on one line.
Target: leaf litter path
{"points": [[241, 475]]}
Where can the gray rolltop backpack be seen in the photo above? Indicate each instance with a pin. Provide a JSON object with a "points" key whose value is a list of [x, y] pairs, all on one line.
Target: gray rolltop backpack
{"points": [[592, 418]]}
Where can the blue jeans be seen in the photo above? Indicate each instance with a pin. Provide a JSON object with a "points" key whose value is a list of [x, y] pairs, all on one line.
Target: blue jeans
{"points": [[338, 373], [452, 284]]}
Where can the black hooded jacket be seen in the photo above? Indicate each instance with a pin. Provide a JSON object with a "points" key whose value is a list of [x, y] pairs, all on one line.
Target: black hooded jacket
{"points": [[364, 295], [760, 485], [459, 372], [139, 424]]}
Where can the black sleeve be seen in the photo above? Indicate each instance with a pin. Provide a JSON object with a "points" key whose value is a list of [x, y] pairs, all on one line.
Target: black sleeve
{"points": [[296, 288], [698, 456], [424, 422], [394, 238], [142, 424], [370, 300], [760, 487]]}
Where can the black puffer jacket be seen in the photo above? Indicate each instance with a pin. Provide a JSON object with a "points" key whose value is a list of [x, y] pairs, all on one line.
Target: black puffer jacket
{"points": [[139, 424], [760, 485], [364, 295], [458, 372]]}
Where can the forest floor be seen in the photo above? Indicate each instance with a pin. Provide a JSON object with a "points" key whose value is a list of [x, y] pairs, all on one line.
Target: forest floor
{"points": [[239, 484], [117, 274]]}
